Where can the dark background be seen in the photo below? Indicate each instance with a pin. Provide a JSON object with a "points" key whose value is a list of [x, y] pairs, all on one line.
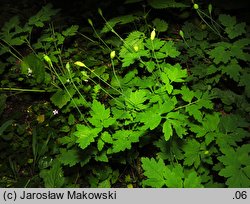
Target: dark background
{"points": [[77, 12]]}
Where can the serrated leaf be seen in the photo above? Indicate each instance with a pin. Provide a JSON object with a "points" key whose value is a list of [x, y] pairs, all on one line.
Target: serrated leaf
{"points": [[170, 50], [110, 24], [86, 135], [154, 171], [43, 15], [160, 25], [175, 73], [237, 166], [232, 28], [122, 139], [187, 94], [233, 70], [53, 177], [192, 151], [71, 31], [69, 157], [167, 130], [178, 122], [137, 98], [61, 97], [220, 54], [33, 63], [100, 115], [194, 111], [159, 4], [192, 181]]}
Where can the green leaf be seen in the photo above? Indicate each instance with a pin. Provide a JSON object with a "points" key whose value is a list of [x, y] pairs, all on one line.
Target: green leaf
{"points": [[194, 111], [154, 171], [220, 53], [167, 130], [160, 25], [121, 20], [43, 16], [244, 81], [192, 152], [136, 99], [227, 20], [178, 122], [174, 177], [175, 73], [193, 181], [237, 166], [187, 94], [122, 139], [86, 135], [34, 64], [232, 28], [209, 124], [158, 175], [5, 125], [53, 178], [233, 70], [160, 4], [71, 31], [69, 157], [61, 97], [100, 115], [170, 50]]}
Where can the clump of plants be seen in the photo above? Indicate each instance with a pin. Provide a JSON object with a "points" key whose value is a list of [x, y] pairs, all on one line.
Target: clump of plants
{"points": [[135, 109]]}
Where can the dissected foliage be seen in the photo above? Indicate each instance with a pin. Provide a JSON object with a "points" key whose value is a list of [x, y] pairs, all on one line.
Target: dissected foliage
{"points": [[173, 112]]}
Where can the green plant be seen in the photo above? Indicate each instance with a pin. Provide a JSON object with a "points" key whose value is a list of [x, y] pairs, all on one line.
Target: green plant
{"points": [[135, 109]]}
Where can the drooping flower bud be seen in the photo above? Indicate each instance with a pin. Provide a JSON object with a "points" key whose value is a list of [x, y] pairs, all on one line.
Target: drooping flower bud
{"points": [[80, 64]]}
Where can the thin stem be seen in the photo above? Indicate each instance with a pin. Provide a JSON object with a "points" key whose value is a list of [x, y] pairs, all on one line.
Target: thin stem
{"points": [[113, 67], [215, 31], [71, 79], [25, 90], [66, 89]]}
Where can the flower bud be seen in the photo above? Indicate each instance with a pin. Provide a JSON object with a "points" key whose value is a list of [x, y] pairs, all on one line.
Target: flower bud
{"points": [[90, 22], [80, 64], [100, 11], [210, 8], [181, 34], [112, 54], [47, 59], [136, 48], [196, 6], [152, 36], [67, 66]]}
